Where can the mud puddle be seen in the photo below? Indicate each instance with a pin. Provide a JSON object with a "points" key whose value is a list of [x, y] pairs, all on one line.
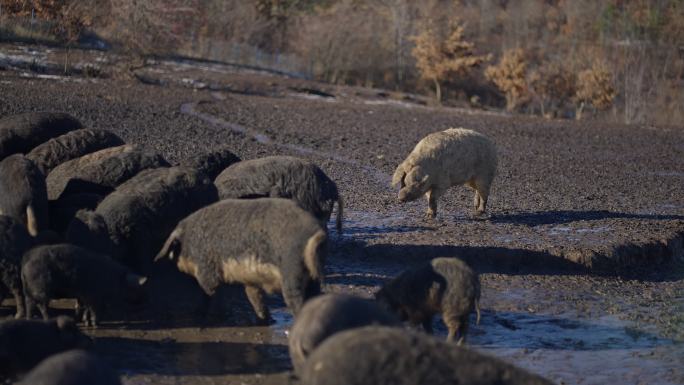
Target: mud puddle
{"points": [[557, 342], [196, 355]]}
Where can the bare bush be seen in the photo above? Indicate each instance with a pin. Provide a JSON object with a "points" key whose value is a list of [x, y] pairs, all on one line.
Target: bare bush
{"points": [[595, 87], [439, 59], [151, 26], [553, 85], [510, 76]]}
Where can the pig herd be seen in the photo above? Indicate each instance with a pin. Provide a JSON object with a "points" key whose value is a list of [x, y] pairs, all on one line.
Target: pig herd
{"points": [[84, 216]]}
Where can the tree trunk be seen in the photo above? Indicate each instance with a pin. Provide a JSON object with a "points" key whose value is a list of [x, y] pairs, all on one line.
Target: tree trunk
{"points": [[66, 60], [578, 112], [438, 91]]}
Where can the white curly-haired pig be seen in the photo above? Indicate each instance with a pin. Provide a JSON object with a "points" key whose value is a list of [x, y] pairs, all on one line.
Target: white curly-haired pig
{"points": [[448, 158]]}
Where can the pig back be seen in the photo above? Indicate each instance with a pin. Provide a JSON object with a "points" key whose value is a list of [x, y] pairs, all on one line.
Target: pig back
{"points": [[275, 230]]}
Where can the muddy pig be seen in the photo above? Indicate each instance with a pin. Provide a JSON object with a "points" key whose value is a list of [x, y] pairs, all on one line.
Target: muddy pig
{"points": [[22, 132], [283, 177], [73, 367], [69, 271], [444, 285], [23, 193], [268, 245], [211, 163], [141, 213], [386, 355], [71, 145], [24, 343], [327, 314], [14, 242], [100, 175]]}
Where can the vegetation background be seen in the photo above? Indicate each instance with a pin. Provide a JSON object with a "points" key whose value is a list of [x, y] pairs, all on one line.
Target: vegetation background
{"points": [[619, 60]]}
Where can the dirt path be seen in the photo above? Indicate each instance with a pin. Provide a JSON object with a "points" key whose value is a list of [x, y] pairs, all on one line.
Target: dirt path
{"points": [[580, 259]]}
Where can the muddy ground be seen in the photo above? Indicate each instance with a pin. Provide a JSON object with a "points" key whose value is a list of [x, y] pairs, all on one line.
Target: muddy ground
{"points": [[581, 255]]}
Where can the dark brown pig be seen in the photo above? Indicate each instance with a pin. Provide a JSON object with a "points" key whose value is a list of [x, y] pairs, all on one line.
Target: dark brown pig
{"points": [[73, 367], [25, 343], [67, 271], [283, 177], [22, 132], [23, 193], [445, 286], [141, 213], [268, 245], [327, 314], [14, 242], [71, 145], [386, 355]]}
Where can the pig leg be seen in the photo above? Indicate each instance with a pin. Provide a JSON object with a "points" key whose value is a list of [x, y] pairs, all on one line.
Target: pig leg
{"points": [[92, 317], [482, 192], [30, 306], [427, 325], [256, 298], [293, 296], [79, 312], [476, 200], [19, 299], [463, 329], [43, 308], [454, 326], [432, 196]]}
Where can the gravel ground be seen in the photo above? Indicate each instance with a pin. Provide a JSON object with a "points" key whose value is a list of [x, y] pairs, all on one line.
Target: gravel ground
{"points": [[581, 255]]}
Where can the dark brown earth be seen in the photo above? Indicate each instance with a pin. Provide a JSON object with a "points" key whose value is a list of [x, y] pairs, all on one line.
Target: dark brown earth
{"points": [[581, 255]]}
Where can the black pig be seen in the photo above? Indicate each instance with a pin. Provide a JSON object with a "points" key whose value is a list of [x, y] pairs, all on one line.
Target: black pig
{"points": [[23, 193], [444, 286], [68, 271], [283, 177], [24, 343], [100, 172], [327, 314], [141, 213], [22, 132], [385, 355], [269, 245], [73, 367], [14, 242], [211, 163], [71, 145]]}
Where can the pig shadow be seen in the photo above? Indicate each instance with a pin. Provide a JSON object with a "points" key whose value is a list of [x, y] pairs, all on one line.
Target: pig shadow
{"points": [[358, 257], [567, 216], [483, 259], [171, 358], [175, 300]]}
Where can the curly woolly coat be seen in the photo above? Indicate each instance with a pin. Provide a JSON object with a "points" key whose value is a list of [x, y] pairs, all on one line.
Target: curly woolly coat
{"points": [[444, 159]]}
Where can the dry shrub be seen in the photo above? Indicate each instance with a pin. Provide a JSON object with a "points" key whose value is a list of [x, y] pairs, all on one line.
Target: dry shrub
{"points": [[69, 17], [439, 59], [553, 85], [152, 26], [595, 87], [345, 43], [510, 77]]}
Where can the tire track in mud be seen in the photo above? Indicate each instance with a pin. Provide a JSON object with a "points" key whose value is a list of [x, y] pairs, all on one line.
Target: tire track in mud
{"points": [[190, 108]]}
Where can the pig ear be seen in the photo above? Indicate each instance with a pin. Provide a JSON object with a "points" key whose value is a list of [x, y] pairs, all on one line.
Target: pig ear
{"points": [[134, 280]]}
